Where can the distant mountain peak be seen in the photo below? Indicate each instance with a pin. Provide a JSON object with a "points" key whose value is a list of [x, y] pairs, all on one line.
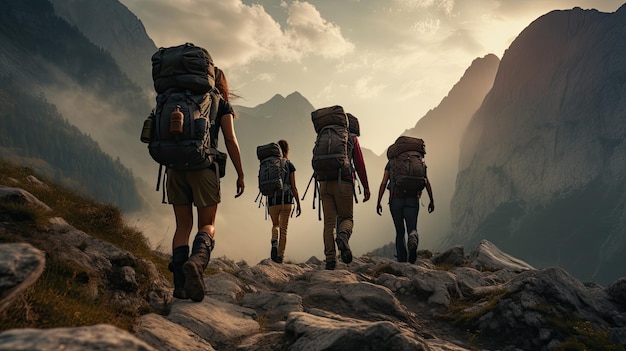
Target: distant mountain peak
{"points": [[294, 99]]}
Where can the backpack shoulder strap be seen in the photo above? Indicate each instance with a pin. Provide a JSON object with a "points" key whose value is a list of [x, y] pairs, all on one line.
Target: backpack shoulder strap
{"points": [[215, 105]]}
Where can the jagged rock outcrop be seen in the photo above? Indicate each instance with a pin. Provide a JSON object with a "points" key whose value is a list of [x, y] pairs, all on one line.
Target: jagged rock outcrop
{"points": [[100, 265], [542, 165], [447, 302]]}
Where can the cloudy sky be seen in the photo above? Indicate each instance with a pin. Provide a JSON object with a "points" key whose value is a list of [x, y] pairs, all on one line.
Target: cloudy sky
{"points": [[386, 61]]}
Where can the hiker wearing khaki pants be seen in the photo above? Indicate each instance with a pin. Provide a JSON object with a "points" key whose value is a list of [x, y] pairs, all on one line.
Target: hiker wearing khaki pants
{"points": [[337, 204], [280, 208]]}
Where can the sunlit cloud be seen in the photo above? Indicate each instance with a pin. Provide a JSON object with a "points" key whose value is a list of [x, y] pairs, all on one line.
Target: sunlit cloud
{"points": [[265, 77], [367, 88], [220, 27], [446, 6], [427, 26], [308, 32]]}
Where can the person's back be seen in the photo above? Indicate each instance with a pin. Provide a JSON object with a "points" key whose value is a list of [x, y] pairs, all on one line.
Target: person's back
{"points": [[336, 190], [405, 177], [280, 207], [201, 187]]}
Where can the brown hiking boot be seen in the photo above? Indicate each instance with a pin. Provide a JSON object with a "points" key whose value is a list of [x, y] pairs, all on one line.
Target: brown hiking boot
{"points": [[342, 244]]}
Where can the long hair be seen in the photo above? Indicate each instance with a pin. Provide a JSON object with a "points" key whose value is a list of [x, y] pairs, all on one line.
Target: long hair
{"points": [[284, 146], [222, 85]]}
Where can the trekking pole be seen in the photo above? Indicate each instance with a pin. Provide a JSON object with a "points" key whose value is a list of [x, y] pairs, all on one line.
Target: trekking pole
{"points": [[319, 202], [307, 186]]}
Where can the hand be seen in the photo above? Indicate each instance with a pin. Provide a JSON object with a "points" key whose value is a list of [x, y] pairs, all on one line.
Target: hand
{"points": [[366, 196], [298, 210], [379, 209], [431, 207], [240, 186]]}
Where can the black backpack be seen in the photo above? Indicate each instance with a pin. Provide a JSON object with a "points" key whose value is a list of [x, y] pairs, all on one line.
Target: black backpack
{"points": [[407, 166], [183, 67], [273, 170], [273, 174], [332, 153], [178, 131], [191, 149]]}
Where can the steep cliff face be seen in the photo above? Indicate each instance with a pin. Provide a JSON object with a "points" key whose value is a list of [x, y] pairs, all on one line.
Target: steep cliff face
{"points": [[442, 128], [543, 159]]}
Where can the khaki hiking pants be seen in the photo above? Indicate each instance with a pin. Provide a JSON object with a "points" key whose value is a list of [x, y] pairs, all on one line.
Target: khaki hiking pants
{"points": [[280, 220], [337, 205]]}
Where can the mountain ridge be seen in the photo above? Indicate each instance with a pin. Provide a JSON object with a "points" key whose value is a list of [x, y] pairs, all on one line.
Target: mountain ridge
{"points": [[520, 165]]}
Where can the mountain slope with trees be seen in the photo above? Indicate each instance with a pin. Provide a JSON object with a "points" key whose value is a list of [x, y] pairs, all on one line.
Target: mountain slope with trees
{"points": [[34, 133], [48, 65]]}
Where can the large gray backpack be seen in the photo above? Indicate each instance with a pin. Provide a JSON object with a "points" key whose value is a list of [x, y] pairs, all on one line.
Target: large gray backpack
{"points": [[407, 166], [184, 79], [332, 153], [273, 170], [183, 67], [192, 149]]}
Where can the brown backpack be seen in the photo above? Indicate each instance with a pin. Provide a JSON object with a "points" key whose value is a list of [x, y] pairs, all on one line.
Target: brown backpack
{"points": [[407, 166]]}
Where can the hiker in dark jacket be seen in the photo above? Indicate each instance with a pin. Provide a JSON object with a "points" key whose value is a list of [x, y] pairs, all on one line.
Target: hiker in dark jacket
{"points": [[202, 188], [280, 209], [338, 205], [404, 211]]}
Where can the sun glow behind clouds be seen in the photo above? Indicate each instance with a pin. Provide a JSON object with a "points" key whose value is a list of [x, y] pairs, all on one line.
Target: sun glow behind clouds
{"points": [[404, 53]]}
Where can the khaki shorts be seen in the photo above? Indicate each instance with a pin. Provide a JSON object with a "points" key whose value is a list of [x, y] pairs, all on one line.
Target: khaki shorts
{"points": [[201, 187]]}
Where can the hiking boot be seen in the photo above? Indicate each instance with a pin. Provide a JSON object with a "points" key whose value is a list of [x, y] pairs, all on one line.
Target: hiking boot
{"points": [[179, 257], [330, 265], [342, 244], [195, 265], [279, 259], [412, 242], [274, 252]]}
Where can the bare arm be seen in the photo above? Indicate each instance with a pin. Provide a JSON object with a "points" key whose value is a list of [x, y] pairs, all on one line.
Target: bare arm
{"points": [[232, 146], [381, 191], [294, 189], [429, 189]]}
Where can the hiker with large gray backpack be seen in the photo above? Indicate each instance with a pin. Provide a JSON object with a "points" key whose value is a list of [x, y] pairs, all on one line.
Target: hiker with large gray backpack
{"points": [[192, 106], [405, 177], [277, 184], [336, 156]]}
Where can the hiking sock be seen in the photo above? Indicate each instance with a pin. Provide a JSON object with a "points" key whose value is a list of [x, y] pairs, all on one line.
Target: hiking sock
{"points": [[194, 267], [342, 244], [274, 252], [179, 257], [412, 243]]}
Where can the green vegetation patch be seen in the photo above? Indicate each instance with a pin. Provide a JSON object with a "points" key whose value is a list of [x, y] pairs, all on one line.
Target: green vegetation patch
{"points": [[63, 296]]}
